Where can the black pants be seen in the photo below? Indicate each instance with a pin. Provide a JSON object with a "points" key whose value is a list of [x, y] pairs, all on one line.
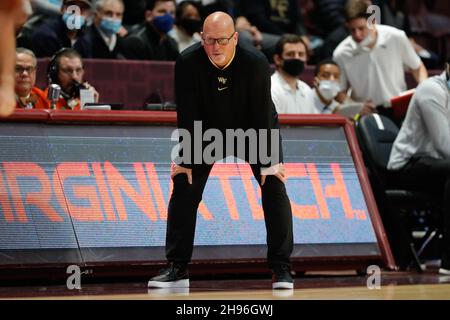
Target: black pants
{"points": [[434, 175], [182, 216]]}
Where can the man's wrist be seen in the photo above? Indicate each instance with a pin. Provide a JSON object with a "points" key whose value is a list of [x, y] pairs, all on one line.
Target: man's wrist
{"points": [[273, 170]]}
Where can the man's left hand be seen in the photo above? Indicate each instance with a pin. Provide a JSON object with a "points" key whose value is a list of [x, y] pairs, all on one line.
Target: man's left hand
{"points": [[280, 174]]}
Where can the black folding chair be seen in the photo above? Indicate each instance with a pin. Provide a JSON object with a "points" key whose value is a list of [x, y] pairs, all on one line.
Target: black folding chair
{"points": [[402, 207]]}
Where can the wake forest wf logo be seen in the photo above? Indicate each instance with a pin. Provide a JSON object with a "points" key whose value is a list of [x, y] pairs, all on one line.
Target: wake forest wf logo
{"points": [[222, 80], [222, 83]]}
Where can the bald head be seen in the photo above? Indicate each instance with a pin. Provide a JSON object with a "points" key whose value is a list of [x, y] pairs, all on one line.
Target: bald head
{"points": [[219, 38], [218, 21]]}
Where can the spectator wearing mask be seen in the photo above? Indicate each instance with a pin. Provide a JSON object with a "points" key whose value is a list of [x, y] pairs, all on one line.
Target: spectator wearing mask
{"points": [[188, 24], [373, 59], [153, 42], [326, 87], [68, 30], [27, 95], [66, 70], [289, 93], [107, 31]]}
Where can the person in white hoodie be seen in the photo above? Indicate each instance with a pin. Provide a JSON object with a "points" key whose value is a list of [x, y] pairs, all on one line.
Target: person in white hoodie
{"points": [[422, 147]]}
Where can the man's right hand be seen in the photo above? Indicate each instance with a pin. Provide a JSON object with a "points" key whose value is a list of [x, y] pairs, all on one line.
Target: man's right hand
{"points": [[368, 108], [176, 169]]}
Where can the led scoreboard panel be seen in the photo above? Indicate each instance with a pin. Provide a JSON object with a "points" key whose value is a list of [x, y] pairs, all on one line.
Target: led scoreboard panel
{"points": [[84, 193]]}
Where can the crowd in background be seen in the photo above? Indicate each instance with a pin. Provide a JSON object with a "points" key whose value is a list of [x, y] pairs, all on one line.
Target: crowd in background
{"points": [[321, 23], [160, 30]]}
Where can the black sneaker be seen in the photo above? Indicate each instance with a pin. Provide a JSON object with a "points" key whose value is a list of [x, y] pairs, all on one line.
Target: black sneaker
{"points": [[175, 276], [281, 278]]}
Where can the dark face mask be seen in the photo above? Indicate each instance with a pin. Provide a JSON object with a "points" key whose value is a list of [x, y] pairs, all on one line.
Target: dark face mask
{"points": [[163, 23], [293, 67], [191, 26]]}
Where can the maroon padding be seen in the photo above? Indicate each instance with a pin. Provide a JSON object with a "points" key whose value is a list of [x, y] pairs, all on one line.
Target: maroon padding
{"points": [[312, 119], [160, 117], [102, 116], [132, 83], [25, 115]]}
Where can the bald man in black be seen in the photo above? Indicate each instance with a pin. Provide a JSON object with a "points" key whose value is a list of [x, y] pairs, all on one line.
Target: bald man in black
{"points": [[225, 86]]}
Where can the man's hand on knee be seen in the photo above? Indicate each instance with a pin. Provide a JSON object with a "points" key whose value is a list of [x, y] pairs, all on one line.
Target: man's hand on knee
{"points": [[278, 171], [176, 169]]}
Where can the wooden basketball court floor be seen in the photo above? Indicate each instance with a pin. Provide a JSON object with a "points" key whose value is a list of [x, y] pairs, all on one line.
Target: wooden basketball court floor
{"points": [[315, 286]]}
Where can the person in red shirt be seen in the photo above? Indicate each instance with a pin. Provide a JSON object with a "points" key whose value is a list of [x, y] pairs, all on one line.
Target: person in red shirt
{"points": [[66, 70], [27, 95]]}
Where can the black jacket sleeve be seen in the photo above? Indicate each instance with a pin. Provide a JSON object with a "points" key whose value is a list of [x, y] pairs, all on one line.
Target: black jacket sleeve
{"points": [[186, 97]]}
